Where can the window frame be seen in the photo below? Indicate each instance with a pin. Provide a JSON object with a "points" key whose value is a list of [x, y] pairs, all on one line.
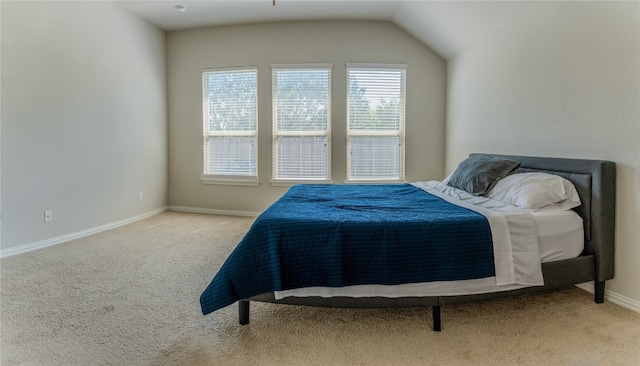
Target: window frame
{"points": [[227, 179], [276, 133], [400, 132]]}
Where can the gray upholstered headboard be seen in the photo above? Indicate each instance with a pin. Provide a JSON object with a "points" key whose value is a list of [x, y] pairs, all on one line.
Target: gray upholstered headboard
{"points": [[595, 181]]}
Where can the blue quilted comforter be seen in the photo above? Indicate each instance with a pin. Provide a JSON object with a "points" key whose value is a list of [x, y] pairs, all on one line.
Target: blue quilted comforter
{"points": [[341, 235]]}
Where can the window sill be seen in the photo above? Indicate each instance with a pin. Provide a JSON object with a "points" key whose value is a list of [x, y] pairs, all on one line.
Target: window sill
{"points": [[376, 182], [229, 180], [286, 183]]}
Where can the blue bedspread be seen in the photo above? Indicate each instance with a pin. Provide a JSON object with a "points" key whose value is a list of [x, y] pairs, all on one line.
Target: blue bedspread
{"points": [[341, 235]]}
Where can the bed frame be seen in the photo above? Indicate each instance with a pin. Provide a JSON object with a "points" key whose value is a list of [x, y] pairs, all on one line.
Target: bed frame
{"points": [[595, 181]]}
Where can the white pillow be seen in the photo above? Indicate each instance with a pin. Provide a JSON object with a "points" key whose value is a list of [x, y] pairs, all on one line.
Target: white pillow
{"points": [[447, 179], [536, 191]]}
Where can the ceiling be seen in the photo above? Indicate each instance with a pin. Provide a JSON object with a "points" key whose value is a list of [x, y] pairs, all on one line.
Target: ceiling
{"points": [[447, 27]]}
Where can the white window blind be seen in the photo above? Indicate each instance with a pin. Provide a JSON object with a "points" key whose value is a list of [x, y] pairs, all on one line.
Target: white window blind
{"points": [[375, 122], [301, 122], [230, 118]]}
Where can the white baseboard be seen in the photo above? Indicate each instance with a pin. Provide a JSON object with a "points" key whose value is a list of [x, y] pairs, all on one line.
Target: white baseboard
{"points": [[614, 297], [213, 211], [77, 235]]}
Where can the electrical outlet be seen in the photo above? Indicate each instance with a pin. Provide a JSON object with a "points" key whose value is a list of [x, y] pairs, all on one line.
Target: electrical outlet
{"points": [[48, 214], [139, 196]]}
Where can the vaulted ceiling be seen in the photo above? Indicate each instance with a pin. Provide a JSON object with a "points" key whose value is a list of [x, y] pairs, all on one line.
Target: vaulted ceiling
{"points": [[447, 27]]}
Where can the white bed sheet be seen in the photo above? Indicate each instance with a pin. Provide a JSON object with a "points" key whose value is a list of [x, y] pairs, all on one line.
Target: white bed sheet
{"points": [[546, 235], [560, 234]]}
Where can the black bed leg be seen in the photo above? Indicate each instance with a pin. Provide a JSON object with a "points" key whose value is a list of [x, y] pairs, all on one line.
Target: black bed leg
{"points": [[436, 318], [243, 311], [599, 292]]}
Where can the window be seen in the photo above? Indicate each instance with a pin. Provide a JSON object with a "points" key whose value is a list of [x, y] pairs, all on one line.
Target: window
{"points": [[375, 122], [301, 122], [230, 103]]}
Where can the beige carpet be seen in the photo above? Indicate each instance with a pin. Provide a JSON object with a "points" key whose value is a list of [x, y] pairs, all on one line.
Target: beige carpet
{"points": [[130, 296]]}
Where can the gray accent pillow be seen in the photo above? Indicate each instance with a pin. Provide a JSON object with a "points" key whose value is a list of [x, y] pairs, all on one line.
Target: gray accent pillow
{"points": [[478, 174]]}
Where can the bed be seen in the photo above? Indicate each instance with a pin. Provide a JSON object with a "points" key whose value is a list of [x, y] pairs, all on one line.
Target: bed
{"points": [[368, 250]]}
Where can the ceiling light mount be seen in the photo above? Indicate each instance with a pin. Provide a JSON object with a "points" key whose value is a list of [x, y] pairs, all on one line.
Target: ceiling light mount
{"points": [[182, 8]]}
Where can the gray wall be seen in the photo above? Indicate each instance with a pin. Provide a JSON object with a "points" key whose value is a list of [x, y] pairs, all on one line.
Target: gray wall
{"points": [[83, 118], [188, 52], [562, 81]]}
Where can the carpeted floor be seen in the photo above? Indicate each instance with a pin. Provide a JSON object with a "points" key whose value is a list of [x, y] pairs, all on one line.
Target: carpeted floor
{"points": [[130, 296]]}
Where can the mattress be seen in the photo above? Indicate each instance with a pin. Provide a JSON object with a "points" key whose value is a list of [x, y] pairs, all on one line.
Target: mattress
{"points": [[560, 236]]}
